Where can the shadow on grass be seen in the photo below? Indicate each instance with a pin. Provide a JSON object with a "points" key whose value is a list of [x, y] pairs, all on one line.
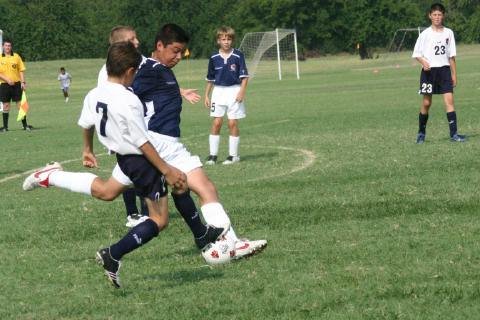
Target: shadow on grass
{"points": [[184, 277]]}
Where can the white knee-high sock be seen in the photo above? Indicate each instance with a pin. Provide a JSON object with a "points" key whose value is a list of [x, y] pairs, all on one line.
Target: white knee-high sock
{"points": [[233, 143], [214, 142], [80, 182], [214, 214]]}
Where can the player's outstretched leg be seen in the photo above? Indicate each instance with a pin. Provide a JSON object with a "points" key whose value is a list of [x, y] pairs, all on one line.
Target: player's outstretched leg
{"points": [[40, 178]]}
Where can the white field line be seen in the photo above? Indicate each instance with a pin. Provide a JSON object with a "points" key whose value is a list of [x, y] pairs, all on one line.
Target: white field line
{"points": [[310, 157]]}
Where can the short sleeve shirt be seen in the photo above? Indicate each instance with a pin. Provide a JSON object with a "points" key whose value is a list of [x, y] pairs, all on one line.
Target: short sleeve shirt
{"points": [[11, 66], [227, 71], [117, 115], [435, 47]]}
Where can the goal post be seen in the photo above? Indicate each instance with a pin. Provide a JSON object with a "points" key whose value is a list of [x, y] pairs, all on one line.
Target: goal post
{"points": [[401, 35], [279, 44], [1, 41]]}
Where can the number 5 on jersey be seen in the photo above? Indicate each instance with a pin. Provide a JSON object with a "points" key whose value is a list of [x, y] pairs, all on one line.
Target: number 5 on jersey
{"points": [[103, 122]]}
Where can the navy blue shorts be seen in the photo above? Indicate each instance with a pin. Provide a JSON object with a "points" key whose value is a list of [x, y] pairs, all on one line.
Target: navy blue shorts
{"points": [[10, 93], [148, 182], [436, 81]]}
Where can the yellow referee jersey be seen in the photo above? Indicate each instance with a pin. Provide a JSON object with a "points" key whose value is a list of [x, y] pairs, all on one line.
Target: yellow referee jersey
{"points": [[11, 66]]}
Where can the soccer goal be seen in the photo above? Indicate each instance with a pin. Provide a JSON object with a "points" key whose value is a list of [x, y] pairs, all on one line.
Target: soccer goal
{"points": [[404, 38], [1, 41], [271, 50]]}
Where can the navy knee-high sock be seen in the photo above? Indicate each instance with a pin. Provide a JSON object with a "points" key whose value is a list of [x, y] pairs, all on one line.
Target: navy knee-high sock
{"points": [[186, 206], [452, 122], [134, 239], [5, 119], [422, 122], [130, 199]]}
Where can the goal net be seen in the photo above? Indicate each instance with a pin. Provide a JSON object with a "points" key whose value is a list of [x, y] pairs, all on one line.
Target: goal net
{"points": [[271, 51], [404, 39]]}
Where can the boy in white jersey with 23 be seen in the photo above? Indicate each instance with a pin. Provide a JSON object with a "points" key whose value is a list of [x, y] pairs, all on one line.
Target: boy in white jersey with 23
{"points": [[435, 50]]}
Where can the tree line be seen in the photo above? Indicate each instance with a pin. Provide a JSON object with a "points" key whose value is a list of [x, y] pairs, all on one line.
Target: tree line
{"points": [[51, 29]]}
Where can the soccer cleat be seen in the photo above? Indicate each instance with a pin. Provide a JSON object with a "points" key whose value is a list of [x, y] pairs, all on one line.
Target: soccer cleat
{"points": [[66, 99], [211, 160], [28, 128], [3, 129], [40, 177], [231, 159], [135, 219], [212, 234], [245, 248], [420, 138], [457, 138], [110, 265]]}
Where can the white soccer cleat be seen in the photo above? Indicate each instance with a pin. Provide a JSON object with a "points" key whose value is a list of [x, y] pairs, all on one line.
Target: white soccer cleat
{"points": [[135, 219], [40, 177], [231, 160], [245, 248]]}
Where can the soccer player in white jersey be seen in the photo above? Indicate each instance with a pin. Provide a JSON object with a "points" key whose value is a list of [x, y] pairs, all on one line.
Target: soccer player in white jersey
{"points": [[65, 80], [157, 87], [116, 115], [228, 75], [435, 50]]}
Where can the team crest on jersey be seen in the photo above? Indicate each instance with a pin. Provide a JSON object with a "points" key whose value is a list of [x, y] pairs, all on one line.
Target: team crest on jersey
{"points": [[233, 67]]}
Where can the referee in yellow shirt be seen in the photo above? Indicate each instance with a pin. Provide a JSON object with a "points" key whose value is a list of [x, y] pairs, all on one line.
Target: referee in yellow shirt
{"points": [[12, 82]]}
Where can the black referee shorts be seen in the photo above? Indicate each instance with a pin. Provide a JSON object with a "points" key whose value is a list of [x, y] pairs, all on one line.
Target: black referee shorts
{"points": [[10, 93]]}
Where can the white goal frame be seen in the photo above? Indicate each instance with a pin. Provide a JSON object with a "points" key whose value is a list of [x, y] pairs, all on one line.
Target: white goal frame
{"points": [[404, 30], [1, 41], [268, 40]]}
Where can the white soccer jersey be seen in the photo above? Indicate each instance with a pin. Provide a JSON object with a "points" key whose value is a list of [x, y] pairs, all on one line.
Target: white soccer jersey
{"points": [[117, 115], [103, 76], [65, 80], [435, 47]]}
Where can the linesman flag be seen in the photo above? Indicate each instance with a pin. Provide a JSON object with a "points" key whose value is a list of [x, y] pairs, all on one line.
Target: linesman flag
{"points": [[23, 107], [186, 54]]}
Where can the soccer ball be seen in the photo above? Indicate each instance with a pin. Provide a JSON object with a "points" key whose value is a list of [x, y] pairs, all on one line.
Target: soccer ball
{"points": [[220, 251]]}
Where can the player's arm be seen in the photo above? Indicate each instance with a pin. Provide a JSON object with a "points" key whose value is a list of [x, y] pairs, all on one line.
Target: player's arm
{"points": [[22, 79], [173, 176], [88, 156], [190, 95], [6, 79], [453, 69], [243, 88], [208, 88], [424, 63]]}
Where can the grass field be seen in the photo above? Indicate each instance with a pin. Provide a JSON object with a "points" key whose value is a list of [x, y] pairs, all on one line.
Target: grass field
{"points": [[361, 222]]}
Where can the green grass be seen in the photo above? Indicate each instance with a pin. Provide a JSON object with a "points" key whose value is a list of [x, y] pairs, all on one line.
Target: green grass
{"points": [[361, 222]]}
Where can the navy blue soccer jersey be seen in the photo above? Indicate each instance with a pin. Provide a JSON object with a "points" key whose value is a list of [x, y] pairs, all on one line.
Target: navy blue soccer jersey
{"points": [[156, 86], [229, 71]]}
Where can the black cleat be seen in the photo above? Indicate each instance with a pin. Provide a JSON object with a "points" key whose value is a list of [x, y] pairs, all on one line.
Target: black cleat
{"points": [[110, 265], [211, 160], [212, 235], [28, 128], [3, 129]]}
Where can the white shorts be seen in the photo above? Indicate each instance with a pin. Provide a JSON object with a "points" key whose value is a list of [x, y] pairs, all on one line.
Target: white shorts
{"points": [[223, 101], [171, 150]]}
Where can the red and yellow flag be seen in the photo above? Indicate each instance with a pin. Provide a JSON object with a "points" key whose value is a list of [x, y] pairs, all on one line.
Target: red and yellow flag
{"points": [[23, 107]]}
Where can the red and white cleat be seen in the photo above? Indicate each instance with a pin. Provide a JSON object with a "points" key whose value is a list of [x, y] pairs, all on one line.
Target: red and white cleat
{"points": [[245, 248], [40, 177]]}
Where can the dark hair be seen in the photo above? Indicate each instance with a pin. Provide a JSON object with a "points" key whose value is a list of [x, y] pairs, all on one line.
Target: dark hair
{"points": [[8, 40], [437, 7], [122, 56], [171, 33], [62, 68]]}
